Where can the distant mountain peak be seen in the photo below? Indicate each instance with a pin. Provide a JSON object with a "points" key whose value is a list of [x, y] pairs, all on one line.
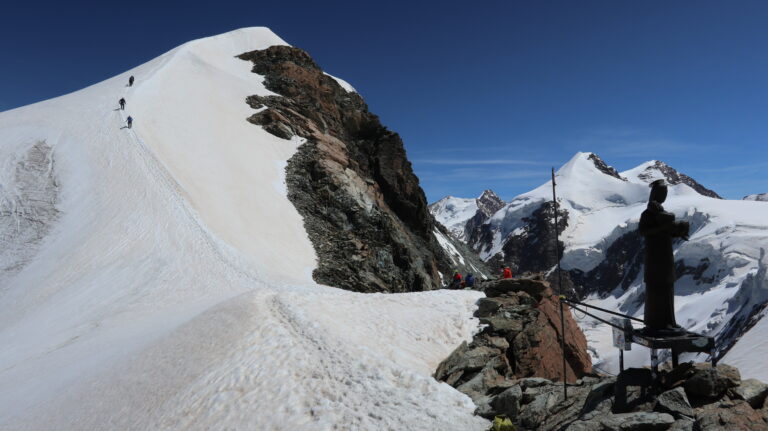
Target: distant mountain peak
{"points": [[488, 203], [488, 194], [604, 167], [763, 197], [673, 177]]}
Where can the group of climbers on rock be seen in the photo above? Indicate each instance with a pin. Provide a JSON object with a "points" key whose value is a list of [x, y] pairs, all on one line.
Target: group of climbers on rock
{"points": [[458, 283]]}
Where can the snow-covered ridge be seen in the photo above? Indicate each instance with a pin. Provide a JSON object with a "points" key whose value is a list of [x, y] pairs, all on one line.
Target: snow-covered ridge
{"points": [[172, 288]]}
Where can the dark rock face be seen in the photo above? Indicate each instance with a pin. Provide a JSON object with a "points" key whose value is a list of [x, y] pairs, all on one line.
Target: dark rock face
{"points": [[604, 168], [532, 249], [673, 177], [487, 205], [621, 266], [462, 258], [363, 208]]}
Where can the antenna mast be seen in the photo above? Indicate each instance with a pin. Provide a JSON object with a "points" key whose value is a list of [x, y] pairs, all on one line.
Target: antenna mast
{"points": [[559, 285]]}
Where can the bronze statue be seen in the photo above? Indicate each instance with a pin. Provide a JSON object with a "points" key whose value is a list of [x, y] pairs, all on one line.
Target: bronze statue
{"points": [[659, 227]]}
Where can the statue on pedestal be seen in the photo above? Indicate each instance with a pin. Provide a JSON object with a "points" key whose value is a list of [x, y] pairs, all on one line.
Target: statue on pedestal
{"points": [[658, 227]]}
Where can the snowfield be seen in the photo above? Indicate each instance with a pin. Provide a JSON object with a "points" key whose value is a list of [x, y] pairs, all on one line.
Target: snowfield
{"points": [[159, 278]]}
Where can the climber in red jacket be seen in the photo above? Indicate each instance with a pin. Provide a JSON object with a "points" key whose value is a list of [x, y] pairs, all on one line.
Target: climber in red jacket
{"points": [[506, 273], [455, 281]]}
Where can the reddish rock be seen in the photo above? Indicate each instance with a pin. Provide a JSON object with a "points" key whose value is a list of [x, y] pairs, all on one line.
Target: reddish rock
{"points": [[538, 350]]}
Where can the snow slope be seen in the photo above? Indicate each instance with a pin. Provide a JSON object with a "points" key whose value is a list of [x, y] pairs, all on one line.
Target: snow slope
{"points": [[453, 213], [159, 278], [725, 244]]}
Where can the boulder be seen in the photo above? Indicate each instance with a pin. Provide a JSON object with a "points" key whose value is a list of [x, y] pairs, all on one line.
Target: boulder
{"points": [[752, 391], [484, 408], [465, 358], [503, 325], [595, 403], [731, 416], [508, 402], [533, 413], [487, 382], [675, 401], [500, 343], [535, 288], [710, 384], [639, 421], [544, 408], [487, 306]]}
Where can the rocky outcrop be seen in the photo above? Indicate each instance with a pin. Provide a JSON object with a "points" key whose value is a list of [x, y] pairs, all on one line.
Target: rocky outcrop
{"points": [[682, 399], [604, 168], [487, 205], [674, 177], [513, 368], [363, 208], [520, 340]]}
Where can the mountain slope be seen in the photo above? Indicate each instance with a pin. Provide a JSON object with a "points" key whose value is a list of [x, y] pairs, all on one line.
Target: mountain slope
{"points": [[454, 213], [161, 278]]}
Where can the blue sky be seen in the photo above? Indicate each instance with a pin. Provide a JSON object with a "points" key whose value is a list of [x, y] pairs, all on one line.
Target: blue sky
{"points": [[485, 94]]}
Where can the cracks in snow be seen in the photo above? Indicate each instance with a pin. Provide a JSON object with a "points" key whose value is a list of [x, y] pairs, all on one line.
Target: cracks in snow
{"points": [[28, 206]]}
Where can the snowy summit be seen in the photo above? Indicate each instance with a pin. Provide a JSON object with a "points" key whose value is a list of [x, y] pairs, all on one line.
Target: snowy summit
{"points": [[158, 277]]}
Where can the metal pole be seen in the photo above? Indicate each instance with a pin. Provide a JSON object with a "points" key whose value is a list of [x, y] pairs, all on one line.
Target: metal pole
{"points": [[621, 360], [559, 287]]}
